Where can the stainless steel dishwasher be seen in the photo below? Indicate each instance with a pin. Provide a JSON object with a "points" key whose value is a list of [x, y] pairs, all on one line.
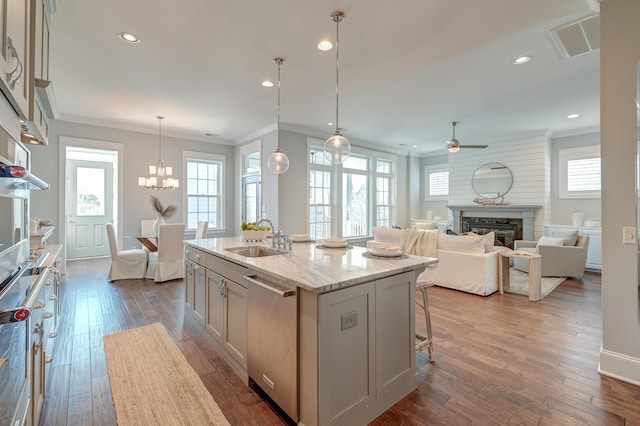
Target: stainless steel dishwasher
{"points": [[273, 342]]}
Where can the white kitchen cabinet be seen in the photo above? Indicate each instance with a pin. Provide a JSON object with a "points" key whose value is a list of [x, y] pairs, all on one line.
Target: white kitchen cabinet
{"points": [[352, 336], [15, 54], [594, 250], [226, 318], [195, 284], [39, 86]]}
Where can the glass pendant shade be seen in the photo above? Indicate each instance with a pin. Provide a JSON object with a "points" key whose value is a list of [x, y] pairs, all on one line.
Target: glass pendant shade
{"points": [[278, 162], [337, 148]]}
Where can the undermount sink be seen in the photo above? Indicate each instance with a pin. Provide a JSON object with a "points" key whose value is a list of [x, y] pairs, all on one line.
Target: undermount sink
{"points": [[255, 251]]}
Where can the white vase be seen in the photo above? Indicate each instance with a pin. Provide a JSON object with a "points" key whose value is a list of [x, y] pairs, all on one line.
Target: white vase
{"points": [[577, 219], [156, 225]]}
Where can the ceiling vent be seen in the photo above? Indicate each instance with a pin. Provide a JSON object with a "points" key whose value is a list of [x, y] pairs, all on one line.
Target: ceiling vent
{"points": [[578, 37]]}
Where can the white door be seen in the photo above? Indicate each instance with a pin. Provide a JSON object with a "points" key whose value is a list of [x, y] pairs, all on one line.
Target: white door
{"points": [[89, 207]]}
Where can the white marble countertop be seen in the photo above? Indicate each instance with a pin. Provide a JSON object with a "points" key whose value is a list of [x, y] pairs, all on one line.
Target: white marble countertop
{"points": [[312, 268]]}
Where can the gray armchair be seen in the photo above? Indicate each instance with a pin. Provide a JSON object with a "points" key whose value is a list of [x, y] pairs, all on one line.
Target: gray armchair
{"points": [[557, 261]]}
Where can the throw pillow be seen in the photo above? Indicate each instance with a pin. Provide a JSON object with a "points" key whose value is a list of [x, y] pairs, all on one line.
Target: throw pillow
{"points": [[570, 236], [425, 225], [488, 239], [387, 235], [550, 241], [461, 243]]}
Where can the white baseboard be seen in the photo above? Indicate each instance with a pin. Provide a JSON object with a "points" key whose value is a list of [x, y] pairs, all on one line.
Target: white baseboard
{"points": [[619, 366]]}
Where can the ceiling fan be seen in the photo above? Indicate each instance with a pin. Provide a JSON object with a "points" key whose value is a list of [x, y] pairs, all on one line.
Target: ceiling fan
{"points": [[454, 145]]}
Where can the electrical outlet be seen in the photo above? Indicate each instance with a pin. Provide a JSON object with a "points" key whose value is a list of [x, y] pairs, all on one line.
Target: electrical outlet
{"points": [[629, 235], [348, 320]]}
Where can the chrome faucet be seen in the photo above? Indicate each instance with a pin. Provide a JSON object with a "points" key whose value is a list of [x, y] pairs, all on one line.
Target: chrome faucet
{"points": [[273, 230]]}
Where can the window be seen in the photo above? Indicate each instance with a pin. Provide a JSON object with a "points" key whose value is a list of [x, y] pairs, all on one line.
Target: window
{"points": [[384, 195], [205, 200], [364, 187], [579, 174], [436, 182]]}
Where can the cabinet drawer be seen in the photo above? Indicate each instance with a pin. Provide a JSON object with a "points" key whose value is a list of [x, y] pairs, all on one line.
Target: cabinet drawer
{"points": [[194, 255], [227, 269]]}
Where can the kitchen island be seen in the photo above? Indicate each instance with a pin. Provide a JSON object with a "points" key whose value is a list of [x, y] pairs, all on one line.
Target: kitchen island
{"points": [[331, 339]]}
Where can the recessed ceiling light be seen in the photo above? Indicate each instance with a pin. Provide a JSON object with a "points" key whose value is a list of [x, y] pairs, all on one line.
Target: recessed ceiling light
{"points": [[129, 38], [325, 45], [330, 123], [521, 60], [573, 115], [267, 83], [415, 146]]}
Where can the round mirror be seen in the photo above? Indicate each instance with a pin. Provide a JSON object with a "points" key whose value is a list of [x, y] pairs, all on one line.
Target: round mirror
{"points": [[492, 180]]}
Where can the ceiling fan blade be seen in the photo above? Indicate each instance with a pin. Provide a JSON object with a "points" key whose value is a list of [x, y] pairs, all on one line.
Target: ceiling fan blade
{"points": [[474, 146]]}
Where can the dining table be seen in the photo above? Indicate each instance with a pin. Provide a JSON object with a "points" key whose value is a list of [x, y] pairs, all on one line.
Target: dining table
{"points": [[151, 243]]}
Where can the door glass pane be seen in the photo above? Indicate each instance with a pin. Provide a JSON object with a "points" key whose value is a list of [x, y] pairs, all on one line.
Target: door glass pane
{"points": [[251, 202], [355, 200], [90, 189]]}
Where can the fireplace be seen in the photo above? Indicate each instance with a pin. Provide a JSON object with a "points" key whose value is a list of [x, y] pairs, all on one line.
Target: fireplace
{"points": [[516, 219], [507, 230]]}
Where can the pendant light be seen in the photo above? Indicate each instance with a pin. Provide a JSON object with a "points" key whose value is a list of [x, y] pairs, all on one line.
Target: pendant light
{"points": [[337, 148], [159, 174], [278, 161]]}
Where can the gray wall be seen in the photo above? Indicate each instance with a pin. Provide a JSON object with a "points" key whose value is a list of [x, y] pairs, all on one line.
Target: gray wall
{"points": [[561, 209], [619, 54], [140, 150]]}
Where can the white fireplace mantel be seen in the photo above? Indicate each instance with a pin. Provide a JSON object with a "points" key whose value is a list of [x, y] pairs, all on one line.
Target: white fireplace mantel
{"points": [[526, 212]]}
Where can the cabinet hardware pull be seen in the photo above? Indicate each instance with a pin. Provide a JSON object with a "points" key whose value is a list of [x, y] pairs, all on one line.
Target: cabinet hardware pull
{"points": [[53, 334], [53, 297], [14, 75], [283, 293], [48, 359], [47, 315], [38, 305]]}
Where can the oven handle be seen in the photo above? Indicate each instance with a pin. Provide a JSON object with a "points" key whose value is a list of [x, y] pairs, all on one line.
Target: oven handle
{"points": [[283, 293], [33, 294]]}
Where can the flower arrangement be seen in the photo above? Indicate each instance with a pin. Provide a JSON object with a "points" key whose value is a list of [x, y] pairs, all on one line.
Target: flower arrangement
{"points": [[163, 212]]}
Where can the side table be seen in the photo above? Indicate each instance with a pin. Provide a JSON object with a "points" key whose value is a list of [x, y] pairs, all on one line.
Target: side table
{"points": [[535, 273]]}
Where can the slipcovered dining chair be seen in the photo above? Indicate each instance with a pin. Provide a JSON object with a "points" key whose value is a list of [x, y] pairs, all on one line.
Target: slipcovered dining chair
{"points": [[146, 227], [168, 262], [203, 227], [125, 264]]}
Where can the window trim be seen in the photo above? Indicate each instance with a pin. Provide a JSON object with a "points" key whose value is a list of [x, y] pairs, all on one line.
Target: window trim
{"points": [[578, 153], [428, 170], [205, 156], [336, 185]]}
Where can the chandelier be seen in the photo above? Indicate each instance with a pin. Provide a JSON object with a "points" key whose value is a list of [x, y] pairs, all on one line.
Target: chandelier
{"points": [[337, 148], [159, 175]]}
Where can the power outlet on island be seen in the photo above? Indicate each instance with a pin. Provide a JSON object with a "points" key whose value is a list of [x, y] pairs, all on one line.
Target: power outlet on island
{"points": [[348, 320]]}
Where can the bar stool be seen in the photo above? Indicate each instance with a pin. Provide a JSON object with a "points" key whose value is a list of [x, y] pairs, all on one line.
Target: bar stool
{"points": [[425, 341]]}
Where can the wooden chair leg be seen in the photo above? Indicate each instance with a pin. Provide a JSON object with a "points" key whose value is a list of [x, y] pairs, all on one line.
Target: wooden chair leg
{"points": [[425, 340]]}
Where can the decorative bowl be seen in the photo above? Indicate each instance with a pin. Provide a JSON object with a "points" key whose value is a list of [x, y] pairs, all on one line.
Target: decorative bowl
{"points": [[251, 235], [299, 238], [592, 223], [335, 242]]}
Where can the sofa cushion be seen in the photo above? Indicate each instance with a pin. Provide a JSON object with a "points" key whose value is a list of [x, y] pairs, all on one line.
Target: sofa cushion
{"points": [[570, 236], [387, 235], [550, 241], [461, 243]]}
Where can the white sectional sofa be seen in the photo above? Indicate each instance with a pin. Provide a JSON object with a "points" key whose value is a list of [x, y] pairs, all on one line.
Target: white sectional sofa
{"points": [[466, 262]]}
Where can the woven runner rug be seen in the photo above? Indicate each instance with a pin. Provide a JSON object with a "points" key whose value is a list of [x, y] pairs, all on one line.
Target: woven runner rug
{"points": [[153, 384], [520, 283]]}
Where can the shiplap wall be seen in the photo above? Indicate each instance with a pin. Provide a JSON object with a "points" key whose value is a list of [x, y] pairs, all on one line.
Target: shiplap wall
{"points": [[529, 161]]}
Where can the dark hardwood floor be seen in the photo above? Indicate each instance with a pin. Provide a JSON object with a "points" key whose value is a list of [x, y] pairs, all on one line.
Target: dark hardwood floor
{"points": [[498, 360]]}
